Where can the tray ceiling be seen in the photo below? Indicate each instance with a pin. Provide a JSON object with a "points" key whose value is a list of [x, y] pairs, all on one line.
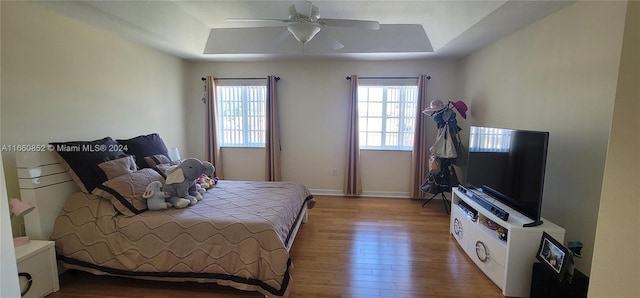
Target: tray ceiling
{"points": [[408, 29]]}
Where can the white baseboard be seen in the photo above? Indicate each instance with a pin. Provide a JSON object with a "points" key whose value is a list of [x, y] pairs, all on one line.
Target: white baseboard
{"points": [[378, 194], [326, 192], [386, 194]]}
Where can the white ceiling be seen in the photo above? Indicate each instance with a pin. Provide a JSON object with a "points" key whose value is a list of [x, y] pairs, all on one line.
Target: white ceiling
{"points": [[408, 29]]}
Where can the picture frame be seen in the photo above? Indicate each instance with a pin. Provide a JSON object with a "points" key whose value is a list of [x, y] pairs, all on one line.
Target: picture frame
{"points": [[554, 256]]}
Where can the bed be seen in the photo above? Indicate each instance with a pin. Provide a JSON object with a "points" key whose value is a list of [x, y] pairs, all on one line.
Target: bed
{"points": [[238, 235]]}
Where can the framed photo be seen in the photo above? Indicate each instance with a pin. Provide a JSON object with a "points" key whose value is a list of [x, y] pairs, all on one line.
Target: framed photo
{"points": [[554, 256]]}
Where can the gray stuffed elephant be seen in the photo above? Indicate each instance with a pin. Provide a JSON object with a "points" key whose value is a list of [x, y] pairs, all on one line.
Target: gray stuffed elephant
{"points": [[181, 181]]}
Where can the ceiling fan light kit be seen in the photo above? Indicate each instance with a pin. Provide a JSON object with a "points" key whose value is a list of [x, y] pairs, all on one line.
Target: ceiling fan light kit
{"points": [[303, 32], [304, 22]]}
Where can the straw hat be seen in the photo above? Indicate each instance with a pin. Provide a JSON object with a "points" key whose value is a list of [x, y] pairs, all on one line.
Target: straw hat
{"points": [[435, 106]]}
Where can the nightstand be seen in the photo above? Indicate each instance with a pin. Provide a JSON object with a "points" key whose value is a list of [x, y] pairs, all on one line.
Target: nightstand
{"points": [[37, 268]]}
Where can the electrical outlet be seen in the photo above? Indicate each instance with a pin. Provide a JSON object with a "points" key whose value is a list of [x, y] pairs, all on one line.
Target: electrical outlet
{"points": [[334, 172]]}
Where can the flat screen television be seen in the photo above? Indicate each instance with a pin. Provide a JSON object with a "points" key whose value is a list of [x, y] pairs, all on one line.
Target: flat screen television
{"points": [[509, 165]]}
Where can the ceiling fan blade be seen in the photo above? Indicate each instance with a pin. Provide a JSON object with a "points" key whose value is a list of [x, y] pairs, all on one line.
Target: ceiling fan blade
{"points": [[372, 25], [329, 41], [284, 35], [255, 20], [304, 7], [277, 44]]}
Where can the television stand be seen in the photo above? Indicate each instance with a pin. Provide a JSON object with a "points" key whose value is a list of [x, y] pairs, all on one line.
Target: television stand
{"points": [[488, 204], [504, 250]]}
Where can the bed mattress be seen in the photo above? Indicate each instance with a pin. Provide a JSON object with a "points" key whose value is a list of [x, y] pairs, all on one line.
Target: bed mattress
{"points": [[236, 236]]}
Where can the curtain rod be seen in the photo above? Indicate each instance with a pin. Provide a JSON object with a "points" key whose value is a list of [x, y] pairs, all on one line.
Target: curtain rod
{"points": [[388, 78], [222, 79]]}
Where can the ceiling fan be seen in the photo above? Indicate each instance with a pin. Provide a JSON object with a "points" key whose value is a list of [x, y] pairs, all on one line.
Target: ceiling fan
{"points": [[304, 22]]}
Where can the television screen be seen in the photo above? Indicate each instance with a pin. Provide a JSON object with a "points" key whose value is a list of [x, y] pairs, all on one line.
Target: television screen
{"points": [[509, 165]]}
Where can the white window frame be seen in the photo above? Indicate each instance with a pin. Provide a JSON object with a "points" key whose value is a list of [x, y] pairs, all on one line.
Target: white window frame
{"points": [[488, 139], [249, 131], [405, 115]]}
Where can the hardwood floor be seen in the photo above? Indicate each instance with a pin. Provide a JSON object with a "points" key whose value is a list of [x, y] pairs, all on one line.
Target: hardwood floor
{"points": [[363, 247]]}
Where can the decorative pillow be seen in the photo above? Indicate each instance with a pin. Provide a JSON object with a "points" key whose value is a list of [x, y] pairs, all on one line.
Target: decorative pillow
{"points": [[157, 159], [80, 159], [162, 168], [117, 167], [125, 192], [143, 146]]}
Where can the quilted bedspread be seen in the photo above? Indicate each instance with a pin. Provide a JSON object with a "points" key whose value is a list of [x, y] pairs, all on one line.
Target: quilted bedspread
{"points": [[236, 236]]}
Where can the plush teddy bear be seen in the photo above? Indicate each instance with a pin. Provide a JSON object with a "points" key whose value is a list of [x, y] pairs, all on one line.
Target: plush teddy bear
{"points": [[181, 181], [206, 182], [156, 198]]}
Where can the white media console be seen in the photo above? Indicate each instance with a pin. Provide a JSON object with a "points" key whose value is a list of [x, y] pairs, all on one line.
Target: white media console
{"points": [[504, 250]]}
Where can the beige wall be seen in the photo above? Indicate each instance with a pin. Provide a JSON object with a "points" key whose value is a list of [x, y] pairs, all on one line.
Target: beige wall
{"points": [[9, 273], [313, 109], [557, 75], [616, 259], [66, 81]]}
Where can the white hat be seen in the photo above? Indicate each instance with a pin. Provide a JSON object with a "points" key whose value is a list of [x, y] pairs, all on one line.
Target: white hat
{"points": [[435, 106]]}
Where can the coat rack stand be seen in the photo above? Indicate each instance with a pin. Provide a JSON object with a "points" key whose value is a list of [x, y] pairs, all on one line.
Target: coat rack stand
{"points": [[443, 181], [444, 201], [442, 177]]}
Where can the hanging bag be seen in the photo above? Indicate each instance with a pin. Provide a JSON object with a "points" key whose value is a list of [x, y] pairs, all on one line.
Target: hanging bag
{"points": [[463, 154], [444, 146], [429, 185], [434, 164], [438, 146]]}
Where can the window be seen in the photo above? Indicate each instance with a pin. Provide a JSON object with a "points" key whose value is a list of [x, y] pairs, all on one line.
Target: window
{"points": [[241, 113], [486, 139], [387, 110]]}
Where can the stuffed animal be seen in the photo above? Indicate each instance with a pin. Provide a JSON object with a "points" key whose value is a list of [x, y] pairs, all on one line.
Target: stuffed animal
{"points": [[181, 181], [199, 192], [156, 197], [206, 182]]}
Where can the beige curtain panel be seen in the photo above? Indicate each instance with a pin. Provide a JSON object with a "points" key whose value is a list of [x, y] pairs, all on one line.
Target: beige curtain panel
{"points": [[352, 179], [272, 133], [420, 152], [213, 145]]}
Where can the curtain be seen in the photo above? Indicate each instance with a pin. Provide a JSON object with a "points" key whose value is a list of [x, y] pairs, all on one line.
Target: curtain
{"points": [[352, 180], [420, 152], [213, 145], [272, 133]]}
